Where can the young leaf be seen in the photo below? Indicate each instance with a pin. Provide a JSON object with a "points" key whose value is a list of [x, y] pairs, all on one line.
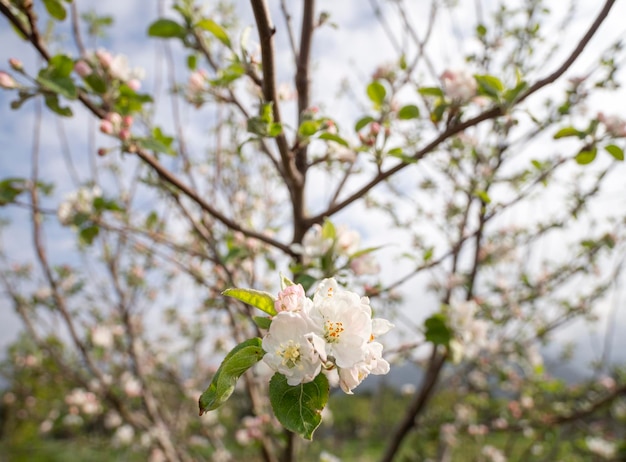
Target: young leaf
{"points": [[261, 300], [166, 28], [64, 86], [409, 111], [337, 139], [214, 28], [239, 360], [299, 408], [285, 282], [308, 128], [437, 331], [328, 230], [615, 151], [52, 102], [262, 322], [362, 122], [568, 131], [430, 91], [376, 93], [586, 157], [489, 85], [55, 9]]}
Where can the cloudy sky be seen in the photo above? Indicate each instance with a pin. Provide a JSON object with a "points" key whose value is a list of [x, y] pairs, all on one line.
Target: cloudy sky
{"points": [[346, 50]]}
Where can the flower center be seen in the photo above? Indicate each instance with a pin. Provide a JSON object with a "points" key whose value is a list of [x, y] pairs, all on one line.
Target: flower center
{"points": [[332, 331], [290, 354]]}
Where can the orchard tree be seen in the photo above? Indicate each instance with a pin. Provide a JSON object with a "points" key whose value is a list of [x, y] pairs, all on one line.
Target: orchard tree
{"points": [[229, 224]]}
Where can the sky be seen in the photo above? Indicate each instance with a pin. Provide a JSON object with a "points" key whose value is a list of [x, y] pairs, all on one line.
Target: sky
{"points": [[348, 49]]}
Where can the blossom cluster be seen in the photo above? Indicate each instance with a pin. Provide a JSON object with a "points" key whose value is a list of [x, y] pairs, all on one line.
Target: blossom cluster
{"points": [[333, 333], [115, 67], [79, 202]]}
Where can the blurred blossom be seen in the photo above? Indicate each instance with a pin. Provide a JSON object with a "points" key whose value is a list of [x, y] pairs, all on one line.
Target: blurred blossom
{"points": [[408, 389], [459, 85], [123, 435], [112, 420], [348, 240], [601, 447], [72, 420], [82, 68], [101, 336], [493, 454], [45, 426], [286, 92], [470, 333], [78, 202], [613, 124], [328, 457], [365, 264], [447, 434], [477, 430]]}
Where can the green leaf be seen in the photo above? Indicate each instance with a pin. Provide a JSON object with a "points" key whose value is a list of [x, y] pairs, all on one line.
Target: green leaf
{"points": [[259, 299], [362, 122], [52, 102], [568, 131], [430, 91], [55, 9], [96, 83], [64, 86], [88, 234], [615, 151], [428, 254], [489, 85], [483, 196], [299, 408], [397, 152], [214, 28], [408, 112], [437, 331], [10, 188], [376, 93], [308, 128], [274, 129], [481, 30], [337, 139], [166, 28], [585, 157], [192, 62], [285, 282], [262, 322], [328, 230], [237, 361], [151, 144], [60, 66]]}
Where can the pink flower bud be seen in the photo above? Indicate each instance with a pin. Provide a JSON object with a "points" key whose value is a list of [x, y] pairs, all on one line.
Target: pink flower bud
{"points": [[114, 118], [127, 121], [106, 127], [104, 57], [16, 64], [134, 84], [124, 134], [102, 152], [6, 81], [82, 68], [375, 128]]}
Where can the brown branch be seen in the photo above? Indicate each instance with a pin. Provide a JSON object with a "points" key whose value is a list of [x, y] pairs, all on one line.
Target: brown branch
{"points": [[266, 38], [460, 127], [418, 404]]}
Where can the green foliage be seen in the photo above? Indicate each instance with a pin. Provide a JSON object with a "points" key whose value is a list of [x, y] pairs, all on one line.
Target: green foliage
{"points": [[408, 112], [436, 330], [256, 298], [55, 9], [489, 85], [166, 28], [615, 151], [214, 28], [376, 92], [299, 408], [239, 360], [586, 156]]}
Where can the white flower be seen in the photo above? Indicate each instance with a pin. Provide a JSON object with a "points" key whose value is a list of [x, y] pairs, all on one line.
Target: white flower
{"points": [[348, 241], [471, 333], [123, 435], [459, 85], [343, 320], [288, 349], [365, 264], [350, 378], [601, 447], [102, 336], [493, 454], [314, 244]]}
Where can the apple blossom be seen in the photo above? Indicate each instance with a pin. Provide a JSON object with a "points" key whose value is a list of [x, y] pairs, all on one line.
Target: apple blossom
{"points": [[289, 351], [459, 85], [82, 68], [292, 298]]}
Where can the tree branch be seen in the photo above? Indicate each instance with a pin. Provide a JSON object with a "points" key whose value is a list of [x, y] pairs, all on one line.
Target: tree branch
{"points": [[460, 127]]}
